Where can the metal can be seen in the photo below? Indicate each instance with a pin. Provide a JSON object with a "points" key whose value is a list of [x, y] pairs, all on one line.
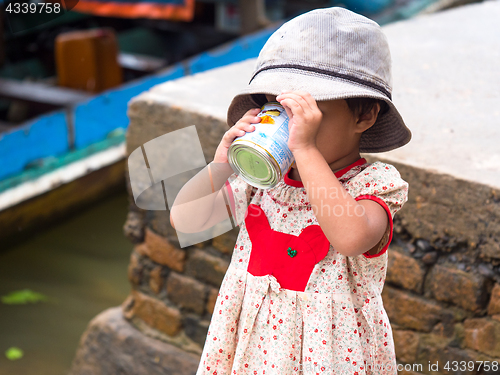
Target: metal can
{"points": [[262, 157]]}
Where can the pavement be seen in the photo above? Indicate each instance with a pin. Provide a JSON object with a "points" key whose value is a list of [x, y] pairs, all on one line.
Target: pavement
{"points": [[447, 88], [446, 85]]}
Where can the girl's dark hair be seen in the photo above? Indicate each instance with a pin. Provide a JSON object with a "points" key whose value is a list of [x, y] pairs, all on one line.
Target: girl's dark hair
{"points": [[362, 106], [358, 106]]}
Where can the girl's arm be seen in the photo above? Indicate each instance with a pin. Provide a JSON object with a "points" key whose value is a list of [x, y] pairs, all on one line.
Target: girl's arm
{"points": [[352, 227], [198, 206]]}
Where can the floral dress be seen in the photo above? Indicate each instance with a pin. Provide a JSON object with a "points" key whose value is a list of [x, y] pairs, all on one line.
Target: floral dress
{"points": [[289, 303]]}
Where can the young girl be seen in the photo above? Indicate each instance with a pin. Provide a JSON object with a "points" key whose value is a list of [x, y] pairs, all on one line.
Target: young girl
{"points": [[302, 293]]}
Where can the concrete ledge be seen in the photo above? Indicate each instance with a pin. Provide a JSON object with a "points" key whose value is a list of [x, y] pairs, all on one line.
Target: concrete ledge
{"points": [[111, 346], [446, 76]]}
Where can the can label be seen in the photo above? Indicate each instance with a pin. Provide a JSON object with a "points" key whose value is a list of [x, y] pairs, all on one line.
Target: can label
{"points": [[270, 136]]}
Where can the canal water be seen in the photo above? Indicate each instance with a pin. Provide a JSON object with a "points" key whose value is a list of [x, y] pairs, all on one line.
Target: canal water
{"points": [[81, 266]]}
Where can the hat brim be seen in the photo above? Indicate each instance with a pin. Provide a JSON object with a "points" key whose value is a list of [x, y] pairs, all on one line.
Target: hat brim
{"points": [[388, 132]]}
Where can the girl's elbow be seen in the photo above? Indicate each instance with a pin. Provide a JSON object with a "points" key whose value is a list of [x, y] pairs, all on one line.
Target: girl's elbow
{"points": [[171, 221], [184, 224], [352, 247]]}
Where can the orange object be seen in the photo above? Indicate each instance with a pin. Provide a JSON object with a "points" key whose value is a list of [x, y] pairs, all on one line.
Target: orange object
{"points": [[88, 60], [173, 12]]}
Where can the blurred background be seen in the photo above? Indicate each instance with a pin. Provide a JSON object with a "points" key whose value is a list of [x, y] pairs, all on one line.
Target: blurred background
{"points": [[67, 71]]}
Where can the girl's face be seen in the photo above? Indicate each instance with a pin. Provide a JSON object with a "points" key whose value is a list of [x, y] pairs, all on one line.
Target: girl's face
{"points": [[338, 133]]}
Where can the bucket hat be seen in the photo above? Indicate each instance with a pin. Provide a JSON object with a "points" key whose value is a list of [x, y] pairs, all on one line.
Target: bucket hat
{"points": [[332, 53]]}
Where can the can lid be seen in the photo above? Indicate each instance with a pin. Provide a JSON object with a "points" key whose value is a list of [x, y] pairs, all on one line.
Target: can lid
{"points": [[253, 164]]}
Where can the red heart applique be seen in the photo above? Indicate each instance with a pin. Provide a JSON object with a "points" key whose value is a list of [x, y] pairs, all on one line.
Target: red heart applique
{"points": [[271, 250]]}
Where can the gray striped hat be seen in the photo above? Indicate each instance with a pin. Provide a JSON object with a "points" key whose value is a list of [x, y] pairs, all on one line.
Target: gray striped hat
{"points": [[332, 53]]}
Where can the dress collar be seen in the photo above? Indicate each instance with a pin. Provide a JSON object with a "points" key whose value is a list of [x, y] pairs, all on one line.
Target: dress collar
{"points": [[338, 174]]}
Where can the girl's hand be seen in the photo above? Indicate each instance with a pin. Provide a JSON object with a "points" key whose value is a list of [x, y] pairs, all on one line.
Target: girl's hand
{"points": [[305, 118], [242, 126]]}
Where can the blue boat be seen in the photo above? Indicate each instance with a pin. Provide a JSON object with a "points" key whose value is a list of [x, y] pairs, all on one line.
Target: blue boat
{"points": [[67, 158]]}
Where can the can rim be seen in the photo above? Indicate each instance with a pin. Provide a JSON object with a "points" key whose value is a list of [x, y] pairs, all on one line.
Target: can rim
{"points": [[275, 170]]}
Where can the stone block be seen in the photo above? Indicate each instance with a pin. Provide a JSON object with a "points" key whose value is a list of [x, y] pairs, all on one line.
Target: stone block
{"points": [[111, 345], [156, 279], [159, 222], [491, 249], [186, 292], [449, 360], [494, 305], [134, 270], [206, 267], [153, 312], [461, 288], [414, 312], [225, 242], [406, 343], [133, 228], [161, 251], [435, 211], [195, 328], [404, 271], [212, 298], [483, 335]]}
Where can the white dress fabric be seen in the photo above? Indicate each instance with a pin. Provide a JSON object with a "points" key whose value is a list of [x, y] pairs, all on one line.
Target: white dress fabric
{"points": [[335, 323]]}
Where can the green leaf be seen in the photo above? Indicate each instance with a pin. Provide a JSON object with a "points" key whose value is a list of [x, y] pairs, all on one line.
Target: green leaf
{"points": [[22, 297], [14, 353]]}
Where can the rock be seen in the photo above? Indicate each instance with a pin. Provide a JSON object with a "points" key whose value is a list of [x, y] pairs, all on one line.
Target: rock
{"points": [[436, 352], [186, 292], [225, 242], [156, 279], [134, 271], [413, 312], [404, 271], [209, 268], [133, 228], [486, 270], [112, 346], [494, 305], [196, 328], [464, 289], [406, 344], [411, 248], [155, 313], [423, 245], [482, 334], [212, 298], [430, 258], [161, 251]]}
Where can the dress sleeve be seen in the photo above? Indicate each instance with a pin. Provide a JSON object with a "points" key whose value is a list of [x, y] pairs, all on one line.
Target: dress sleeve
{"points": [[239, 195], [382, 183]]}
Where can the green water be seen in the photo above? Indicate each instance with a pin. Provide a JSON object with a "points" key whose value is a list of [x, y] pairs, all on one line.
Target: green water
{"points": [[81, 265]]}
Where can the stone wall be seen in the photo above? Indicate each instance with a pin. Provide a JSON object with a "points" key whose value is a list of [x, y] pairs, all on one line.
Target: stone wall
{"points": [[442, 291]]}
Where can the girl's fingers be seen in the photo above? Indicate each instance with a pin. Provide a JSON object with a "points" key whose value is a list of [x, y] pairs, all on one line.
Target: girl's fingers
{"points": [[309, 100], [237, 130], [251, 112], [245, 124], [301, 97], [294, 106], [248, 120]]}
